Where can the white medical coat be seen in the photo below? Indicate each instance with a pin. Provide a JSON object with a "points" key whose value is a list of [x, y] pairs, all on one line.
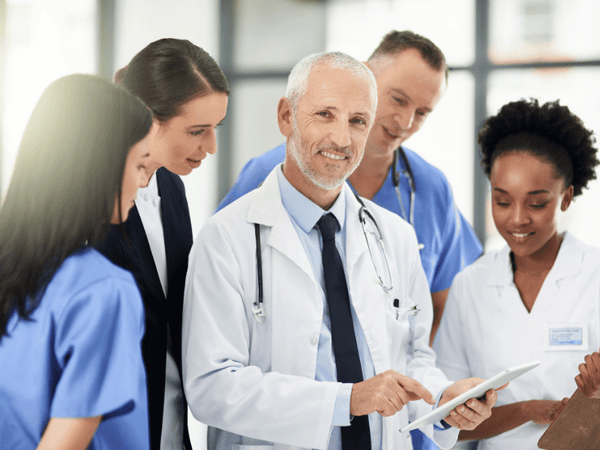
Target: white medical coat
{"points": [[486, 328], [254, 384]]}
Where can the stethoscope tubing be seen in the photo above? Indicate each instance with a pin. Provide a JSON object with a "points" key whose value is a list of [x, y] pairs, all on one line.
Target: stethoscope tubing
{"points": [[399, 153], [363, 213], [258, 308]]}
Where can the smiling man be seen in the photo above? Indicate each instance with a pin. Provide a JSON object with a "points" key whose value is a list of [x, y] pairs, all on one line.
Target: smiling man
{"points": [[411, 76], [287, 338]]}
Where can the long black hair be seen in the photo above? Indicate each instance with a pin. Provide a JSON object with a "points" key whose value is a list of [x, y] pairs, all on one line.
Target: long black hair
{"points": [[67, 178], [168, 73]]}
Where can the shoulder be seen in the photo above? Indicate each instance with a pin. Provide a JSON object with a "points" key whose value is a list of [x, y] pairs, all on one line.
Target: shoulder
{"points": [[258, 205], [253, 174], [227, 223], [87, 271], [169, 180], [425, 172], [89, 266], [590, 255], [478, 271], [89, 289], [265, 162]]}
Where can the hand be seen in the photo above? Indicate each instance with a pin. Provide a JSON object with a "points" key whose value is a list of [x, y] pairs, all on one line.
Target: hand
{"points": [[386, 393], [588, 380], [543, 412], [471, 413]]}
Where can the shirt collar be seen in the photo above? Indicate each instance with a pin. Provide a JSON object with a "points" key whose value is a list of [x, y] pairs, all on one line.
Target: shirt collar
{"points": [[149, 192], [500, 273], [303, 211], [567, 263]]}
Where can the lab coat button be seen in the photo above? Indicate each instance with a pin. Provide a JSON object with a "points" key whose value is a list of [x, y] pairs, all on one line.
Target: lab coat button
{"points": [[314, 340]]}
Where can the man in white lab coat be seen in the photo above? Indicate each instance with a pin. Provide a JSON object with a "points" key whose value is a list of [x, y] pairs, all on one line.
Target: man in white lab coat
{"points": [[261, 369]]}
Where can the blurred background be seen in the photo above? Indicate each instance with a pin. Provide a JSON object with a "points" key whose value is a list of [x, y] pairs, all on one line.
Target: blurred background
{"points": [[498, 51]]}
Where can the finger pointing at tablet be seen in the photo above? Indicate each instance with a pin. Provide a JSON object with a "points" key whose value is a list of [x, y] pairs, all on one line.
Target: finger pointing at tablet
{"points": [[386, 393]]}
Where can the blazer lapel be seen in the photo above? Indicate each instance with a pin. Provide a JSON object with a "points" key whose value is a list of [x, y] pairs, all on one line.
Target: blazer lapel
{"points": [[177, 230], [150, 280]]}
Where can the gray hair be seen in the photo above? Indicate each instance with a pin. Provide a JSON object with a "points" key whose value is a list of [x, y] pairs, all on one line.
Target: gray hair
{"points": [[298, 79]]}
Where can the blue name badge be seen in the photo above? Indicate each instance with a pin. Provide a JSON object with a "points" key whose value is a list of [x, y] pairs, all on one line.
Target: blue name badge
{"points": [[565, 337]]}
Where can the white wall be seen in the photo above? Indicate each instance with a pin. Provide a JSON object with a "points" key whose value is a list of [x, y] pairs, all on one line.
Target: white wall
{"points": [[139, 22]]}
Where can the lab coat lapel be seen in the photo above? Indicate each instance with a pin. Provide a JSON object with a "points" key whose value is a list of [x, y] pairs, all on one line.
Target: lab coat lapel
{"points": [[266, 209], [568, 263], [177, 232], [146, 260], [500, 277], [366, 296], [289, 283]]}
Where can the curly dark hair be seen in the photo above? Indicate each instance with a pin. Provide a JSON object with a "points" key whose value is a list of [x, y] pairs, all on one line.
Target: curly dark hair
{"points": [[550, 131]]}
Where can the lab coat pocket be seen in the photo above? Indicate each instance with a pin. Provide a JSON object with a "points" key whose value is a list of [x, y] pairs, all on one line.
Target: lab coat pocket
{"points": [[401, 316]]}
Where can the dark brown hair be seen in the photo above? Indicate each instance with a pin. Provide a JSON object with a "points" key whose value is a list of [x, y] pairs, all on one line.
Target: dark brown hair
{"points": [[168, 73]]}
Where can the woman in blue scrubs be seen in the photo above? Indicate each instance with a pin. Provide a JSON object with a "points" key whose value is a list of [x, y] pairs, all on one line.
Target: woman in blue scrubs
{"points": [[71, 322], [187, 92]]}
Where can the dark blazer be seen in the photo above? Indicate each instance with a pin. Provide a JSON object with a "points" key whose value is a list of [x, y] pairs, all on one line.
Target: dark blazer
{"points": [[131, 251]]}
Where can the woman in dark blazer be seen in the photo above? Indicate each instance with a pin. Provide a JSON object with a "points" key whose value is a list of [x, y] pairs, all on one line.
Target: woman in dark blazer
{"points": [[187, 92]]}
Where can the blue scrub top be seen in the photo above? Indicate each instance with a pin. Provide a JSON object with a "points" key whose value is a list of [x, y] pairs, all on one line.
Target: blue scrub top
{"points": [[450, 244], [79, 356]]}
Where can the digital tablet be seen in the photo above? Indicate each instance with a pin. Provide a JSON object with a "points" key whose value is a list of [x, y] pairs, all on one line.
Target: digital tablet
{"points": [[478, 391]]}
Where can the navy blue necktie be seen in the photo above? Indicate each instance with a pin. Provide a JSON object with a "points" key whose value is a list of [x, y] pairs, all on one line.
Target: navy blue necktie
{"points": [[356, 436]]}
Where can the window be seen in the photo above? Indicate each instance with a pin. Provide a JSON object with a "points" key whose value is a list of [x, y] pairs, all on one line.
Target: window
{"points": [[44, 41]]}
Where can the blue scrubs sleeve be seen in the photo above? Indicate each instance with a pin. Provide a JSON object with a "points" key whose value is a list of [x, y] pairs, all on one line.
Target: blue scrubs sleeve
{"points": [[460, 245], [98, 350]]}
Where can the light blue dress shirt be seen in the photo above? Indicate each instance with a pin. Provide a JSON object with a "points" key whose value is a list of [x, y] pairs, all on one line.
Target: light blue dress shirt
{"points": [[305, 214]]}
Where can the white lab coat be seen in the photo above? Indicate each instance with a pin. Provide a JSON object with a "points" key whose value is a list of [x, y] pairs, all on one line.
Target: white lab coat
{"points": [[486, 328], [257, 381]]}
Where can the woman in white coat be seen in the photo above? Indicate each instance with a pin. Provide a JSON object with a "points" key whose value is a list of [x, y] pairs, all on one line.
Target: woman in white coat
{"points": [[539, 297]]}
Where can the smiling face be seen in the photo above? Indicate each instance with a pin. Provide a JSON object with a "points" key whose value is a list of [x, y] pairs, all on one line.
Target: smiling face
{"points": [[526, 198], [408, 90], [134, 177], [181, 143], [327, 132]]}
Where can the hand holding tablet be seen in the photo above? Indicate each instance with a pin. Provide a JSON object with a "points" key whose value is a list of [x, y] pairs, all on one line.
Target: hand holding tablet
{"points": [[476, 392]]}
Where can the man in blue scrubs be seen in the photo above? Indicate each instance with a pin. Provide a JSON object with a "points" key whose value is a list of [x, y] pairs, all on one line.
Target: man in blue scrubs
{"points": [[411, 75]]}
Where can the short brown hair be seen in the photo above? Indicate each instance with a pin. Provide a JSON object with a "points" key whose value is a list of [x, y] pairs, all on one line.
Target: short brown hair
{"points": [[397, 41]]}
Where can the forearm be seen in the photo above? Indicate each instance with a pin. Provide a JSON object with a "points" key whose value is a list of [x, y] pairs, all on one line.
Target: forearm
{"points": [[504, 418], [439, 302], [69, 434]]}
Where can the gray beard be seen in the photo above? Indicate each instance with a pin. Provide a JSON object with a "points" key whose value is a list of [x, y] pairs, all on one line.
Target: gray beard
{"points": [[320, 180]]}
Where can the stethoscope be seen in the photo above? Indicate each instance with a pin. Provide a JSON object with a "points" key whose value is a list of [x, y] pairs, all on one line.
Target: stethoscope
{"points": [[410, 218], [364, 215]]}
